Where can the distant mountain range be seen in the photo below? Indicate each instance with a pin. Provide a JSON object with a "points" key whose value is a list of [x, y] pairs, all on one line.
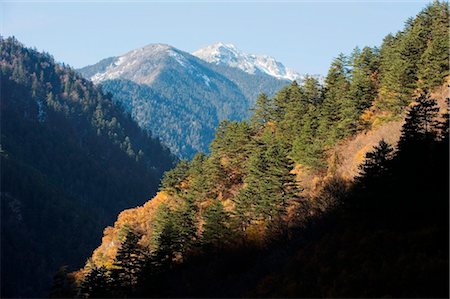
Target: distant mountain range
{"points": [[182, 97]]}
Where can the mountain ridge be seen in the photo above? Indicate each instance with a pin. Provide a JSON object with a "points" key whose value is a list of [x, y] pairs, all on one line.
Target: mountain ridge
{"points": [[228, 54]]}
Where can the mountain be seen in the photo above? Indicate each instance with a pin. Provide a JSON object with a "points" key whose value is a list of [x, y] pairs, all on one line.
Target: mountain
{"points": [[308, 198], [227, 54], [70, 161], [178, 97]]}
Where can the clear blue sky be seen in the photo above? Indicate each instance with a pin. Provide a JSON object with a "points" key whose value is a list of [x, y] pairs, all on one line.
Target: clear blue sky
{"points": [[302, 35]]}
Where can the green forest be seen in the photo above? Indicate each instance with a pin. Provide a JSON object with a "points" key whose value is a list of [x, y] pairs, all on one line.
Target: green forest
{"points": [[237, 222]]}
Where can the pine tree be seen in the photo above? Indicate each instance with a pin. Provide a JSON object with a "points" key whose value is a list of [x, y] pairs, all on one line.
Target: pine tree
{"points": [[312, 91], [269, 185], [262, 112], [376, 164], [433, 64], [185, 222], [281, 102], [393, 96], [420, 123], [174, 232], [336, 108], [96, 283], [198, 186], [216, 229], [231, 148], [295, 110], [307, 149], [364, 83], [129, 261], [420, 51], [253, 190], [174, 178]]}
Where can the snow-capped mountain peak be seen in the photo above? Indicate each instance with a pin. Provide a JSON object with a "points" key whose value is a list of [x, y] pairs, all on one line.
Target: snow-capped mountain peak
{"points": [[228, 54], [140, 65]]}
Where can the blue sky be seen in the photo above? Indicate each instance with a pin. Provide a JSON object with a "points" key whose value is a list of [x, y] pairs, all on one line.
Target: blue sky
{"points": [[305, 36]]}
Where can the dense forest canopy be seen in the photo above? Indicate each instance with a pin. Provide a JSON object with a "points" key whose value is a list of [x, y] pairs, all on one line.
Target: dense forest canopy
{"points": [[236, 222], [71, 160]]}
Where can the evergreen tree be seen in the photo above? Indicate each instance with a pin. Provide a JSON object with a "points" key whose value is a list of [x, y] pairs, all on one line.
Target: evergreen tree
{"points": [[307, 149], [128, 263], [336, 108], [418, 52], [392, 94], [281, 102], [295, 110], [312, 91], [198, 186], [376, 164], [175, 232], [231, 149], [364, 83], [269, 185], [433, 64], [420, 123], [216, 229], [262, 112], [173, 179], [185, 222], [96, 283], [165, 237]]}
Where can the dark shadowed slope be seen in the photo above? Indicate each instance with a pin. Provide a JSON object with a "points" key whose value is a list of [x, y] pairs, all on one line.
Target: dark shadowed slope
{"points": [[71, 160]]}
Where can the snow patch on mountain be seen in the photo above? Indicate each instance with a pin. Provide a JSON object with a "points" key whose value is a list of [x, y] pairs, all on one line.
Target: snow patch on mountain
{"points": [[141, 65], [228, 54]]}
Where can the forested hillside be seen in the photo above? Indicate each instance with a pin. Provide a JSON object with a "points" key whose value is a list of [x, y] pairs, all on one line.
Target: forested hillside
{"points": [[70, 161], [240, 221]]}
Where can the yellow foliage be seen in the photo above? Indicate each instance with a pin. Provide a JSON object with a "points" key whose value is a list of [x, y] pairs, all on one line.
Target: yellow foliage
{"points": [[367, 116], [138, 219]]}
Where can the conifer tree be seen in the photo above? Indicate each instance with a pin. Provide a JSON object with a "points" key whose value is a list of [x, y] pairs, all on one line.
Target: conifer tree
{"points": [[175, 231], [269, 185], [281, 102], [393, 93], [307, 149], [420, 123], [216, 230], [231, 148], [336, 104], [433, 64], [173, 178], [128, 263], [96, 283], [165, 237], [295, 110], [312, 91], [376, 164], [262, 112], [198, 186], [364, 83]]}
